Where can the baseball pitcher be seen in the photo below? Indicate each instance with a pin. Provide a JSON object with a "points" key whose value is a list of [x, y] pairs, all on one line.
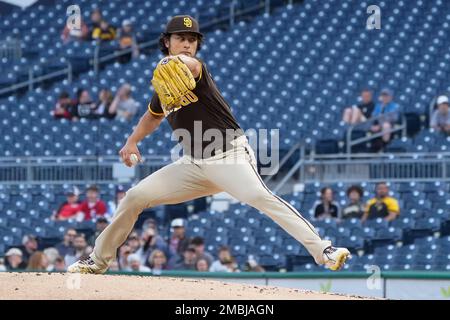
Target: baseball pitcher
{"points": [[216, 154]]}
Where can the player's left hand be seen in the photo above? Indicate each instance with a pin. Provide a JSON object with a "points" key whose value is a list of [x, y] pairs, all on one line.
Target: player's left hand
{"points": [[172, 80]]}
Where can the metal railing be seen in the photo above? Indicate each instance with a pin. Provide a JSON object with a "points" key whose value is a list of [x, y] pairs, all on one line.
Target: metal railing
{"points": [[309, 168], [33, 80], [10, 49], [365, 125], [395, 167], [60, 170], [287, 156]]}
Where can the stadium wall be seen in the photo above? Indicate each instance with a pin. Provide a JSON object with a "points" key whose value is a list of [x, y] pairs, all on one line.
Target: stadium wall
{"points": [[390, 285]]}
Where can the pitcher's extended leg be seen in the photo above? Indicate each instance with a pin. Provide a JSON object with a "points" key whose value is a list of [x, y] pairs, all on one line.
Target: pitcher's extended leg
{"points": [[242, 181], [174, 183]]}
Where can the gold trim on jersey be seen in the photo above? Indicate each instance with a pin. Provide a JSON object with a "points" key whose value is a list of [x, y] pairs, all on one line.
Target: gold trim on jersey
{"points": [[152, 112]]}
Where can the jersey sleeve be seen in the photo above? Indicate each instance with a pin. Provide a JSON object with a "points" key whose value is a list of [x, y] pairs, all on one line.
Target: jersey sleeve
{"points": [[392, 205], [154, 107]]}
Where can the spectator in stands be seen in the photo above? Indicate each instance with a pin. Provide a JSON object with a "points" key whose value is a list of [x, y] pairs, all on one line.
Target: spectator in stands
{"points": [[252, 266], [134, 263], [355, 206], [75, 33], [440, 120], [149, 223], [382, 206], [127, 40], [66, 246], [102, 108], [123, 104], [326, 207], [178, 241], [96, 19], [152, 241], [30, 245], [100, 224], [71, 209], [221, 265], [112, 205], [231, 265], [93, 206], [38, 262], [114, 266], [84, 105], [63, 106], [81, 249], [124, 252], [157, 261], [134, 242], [360, 113], [389, 113], [14, 260], [104, 33], [59, 264], [51, 254], [185, 261], [202, 265], [199, 244]]}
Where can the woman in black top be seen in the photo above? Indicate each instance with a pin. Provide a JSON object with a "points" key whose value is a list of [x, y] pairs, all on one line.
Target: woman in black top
{"points": [[326, 207]]}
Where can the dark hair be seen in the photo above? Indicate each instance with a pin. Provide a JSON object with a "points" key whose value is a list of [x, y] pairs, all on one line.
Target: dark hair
{"points": [[197, 241], [355, 188], [324, 189], [80, 235], [224, 248], [93, 188], [64, 95], [79, 92], [166, 36], [380, 183]]}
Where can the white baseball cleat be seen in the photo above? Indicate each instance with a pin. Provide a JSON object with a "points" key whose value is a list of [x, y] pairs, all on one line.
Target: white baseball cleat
{"points": [[86, 266], [335, 258]]}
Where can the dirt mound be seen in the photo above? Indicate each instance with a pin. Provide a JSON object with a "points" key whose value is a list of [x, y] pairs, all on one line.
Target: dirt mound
{"points": [[112, 287]]}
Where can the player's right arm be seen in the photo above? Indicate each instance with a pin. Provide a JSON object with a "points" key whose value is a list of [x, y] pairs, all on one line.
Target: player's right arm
{"points": [[147, 124]]}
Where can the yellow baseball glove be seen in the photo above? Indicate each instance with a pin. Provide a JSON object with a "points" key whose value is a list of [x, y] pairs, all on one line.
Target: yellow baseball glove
{"points": [[172, 79]]}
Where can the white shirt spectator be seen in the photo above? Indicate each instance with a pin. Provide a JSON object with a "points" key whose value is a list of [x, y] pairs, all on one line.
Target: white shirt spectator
{"points": [[126, 109], [217, 266]]}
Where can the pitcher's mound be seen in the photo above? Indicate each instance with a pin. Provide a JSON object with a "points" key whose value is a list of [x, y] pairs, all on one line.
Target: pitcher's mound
{"points": [[73, 286]]}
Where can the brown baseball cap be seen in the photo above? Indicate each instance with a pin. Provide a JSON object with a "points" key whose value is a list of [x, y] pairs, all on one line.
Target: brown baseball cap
{"points": [[183, 23]]}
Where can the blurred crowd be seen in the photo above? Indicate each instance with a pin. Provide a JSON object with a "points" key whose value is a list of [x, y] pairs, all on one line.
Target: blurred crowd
{"points": [[382, 116], [381, 205], [100, 30], [144, 250], [119, 106]]}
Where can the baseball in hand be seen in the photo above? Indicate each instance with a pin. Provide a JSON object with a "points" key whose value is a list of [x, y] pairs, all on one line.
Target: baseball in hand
{"points": [[134, 159]]}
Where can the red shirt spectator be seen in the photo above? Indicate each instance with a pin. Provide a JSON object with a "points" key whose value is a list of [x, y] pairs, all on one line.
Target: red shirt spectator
{"points": [[70, 208], [63, 106], [93, 206]]}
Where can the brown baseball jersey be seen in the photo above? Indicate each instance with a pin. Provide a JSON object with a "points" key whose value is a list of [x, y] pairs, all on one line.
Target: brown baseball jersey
{"points": [[205, 108]]}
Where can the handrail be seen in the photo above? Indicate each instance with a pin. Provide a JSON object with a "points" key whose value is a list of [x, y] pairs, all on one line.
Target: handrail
{"points": [[292, 171], [29, 83], [286, 157], [351, 143]]}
